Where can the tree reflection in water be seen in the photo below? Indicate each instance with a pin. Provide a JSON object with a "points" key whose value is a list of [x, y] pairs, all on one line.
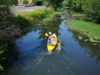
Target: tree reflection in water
{"points": [[93, 48]]}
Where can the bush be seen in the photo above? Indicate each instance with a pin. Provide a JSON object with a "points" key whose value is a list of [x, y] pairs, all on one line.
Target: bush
{"points": [[92, 9], [55, 3], [50, 10], [25, 1], [38, 15], [8, 2], [3, 49], [4, 16], [38, 2], [76, 5], [65, 3], [1, 68]]}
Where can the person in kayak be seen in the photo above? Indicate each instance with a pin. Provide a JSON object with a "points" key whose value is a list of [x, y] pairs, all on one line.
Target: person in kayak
{"points": [[53, 40]]}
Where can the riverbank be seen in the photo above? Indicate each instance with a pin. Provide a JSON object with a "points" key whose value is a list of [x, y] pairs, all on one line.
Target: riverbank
{"points": [[38, 15], [83, 25]]}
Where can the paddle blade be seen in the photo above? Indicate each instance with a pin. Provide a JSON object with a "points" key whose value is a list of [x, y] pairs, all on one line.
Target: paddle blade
{"points": [[59, 44], [46, 34]]}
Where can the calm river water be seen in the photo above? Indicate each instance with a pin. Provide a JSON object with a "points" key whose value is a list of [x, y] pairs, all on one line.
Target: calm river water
{"points": [[76, 57]]}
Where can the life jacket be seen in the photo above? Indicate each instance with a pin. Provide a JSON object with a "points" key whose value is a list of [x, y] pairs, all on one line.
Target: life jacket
{"points": [[49, 41]]}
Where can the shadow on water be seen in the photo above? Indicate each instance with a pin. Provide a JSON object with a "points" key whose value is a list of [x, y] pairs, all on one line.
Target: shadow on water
{"points": [[71, 60]]}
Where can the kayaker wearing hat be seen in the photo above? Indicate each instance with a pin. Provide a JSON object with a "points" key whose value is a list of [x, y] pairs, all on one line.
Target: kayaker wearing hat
{"points": [[53, 40]]}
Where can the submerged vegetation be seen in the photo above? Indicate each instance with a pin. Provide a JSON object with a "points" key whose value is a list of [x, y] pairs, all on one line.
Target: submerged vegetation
{"points": [[94, 48]]}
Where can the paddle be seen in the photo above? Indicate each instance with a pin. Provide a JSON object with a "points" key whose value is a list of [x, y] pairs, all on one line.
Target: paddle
{"points": [[46, 34]]}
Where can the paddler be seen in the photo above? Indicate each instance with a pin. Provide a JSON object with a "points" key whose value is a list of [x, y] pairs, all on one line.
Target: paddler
{"points": [[53, 40]]}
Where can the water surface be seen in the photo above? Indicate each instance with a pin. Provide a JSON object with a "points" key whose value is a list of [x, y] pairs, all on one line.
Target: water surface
{"points": [[76, 57]]}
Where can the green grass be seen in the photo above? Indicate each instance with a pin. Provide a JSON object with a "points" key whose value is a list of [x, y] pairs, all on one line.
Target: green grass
{"points": [[90, 29], [38, 15]]}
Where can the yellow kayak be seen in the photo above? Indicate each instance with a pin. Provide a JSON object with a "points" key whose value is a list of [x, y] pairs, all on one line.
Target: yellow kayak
{"points": [[50, 47]]}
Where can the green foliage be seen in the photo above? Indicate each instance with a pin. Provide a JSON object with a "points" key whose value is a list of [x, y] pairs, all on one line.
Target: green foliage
{"points": [[4, 16], [50, 10], [92, 9], [25, 1], [55, 3], [38, 2], [36, 16], [65, 3], [3, 49], [1, 68], [8, 2], [76, 5]]}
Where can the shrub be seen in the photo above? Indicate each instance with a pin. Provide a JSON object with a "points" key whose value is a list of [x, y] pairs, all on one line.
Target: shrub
{"points": [[55, 3], [38, 2], [4, 16], [25, 1], [8, 2], [3, 49], [50, 10], [92, 9], [38, 15], [1, 68]]}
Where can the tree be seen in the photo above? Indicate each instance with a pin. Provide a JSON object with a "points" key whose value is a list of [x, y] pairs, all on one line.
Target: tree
{"points": [[76, 5], [55, 3], [8, 2], [92, 9], [25, 1]]}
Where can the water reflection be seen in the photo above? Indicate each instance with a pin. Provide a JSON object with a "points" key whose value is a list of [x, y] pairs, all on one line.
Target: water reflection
{"points": [[51, 26], [36, 36], [93, 48]]}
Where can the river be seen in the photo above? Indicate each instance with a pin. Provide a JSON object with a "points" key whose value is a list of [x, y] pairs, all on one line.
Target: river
{"points": [[75, 58]]}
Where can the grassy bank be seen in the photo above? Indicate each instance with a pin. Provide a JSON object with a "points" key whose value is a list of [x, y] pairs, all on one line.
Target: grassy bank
{"points": [[90, 29], [82, 24], [35, 17]]}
